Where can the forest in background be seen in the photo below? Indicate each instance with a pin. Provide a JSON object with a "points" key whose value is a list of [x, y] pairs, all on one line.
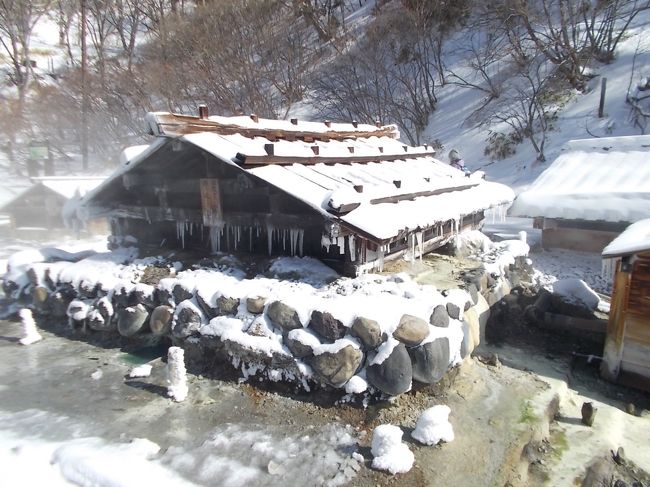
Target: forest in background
{"points": [[122, 58]]}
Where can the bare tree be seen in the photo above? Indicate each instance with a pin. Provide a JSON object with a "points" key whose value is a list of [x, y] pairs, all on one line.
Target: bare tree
{"points": [[17, 21], [606, 23], [483, 52], [390, 75], [638, 94], [127, 17], [325, 16], [262, 62], [67, 11], [100, 28], [527, 107]]}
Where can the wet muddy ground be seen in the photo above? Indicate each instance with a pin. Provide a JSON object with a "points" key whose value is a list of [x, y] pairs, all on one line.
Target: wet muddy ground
{"points": [[59, 376], [516, 420]]}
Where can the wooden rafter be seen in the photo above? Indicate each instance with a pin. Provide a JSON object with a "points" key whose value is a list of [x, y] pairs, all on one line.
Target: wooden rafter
{"points": [[419, 194], [173, 124], [249, 161]]}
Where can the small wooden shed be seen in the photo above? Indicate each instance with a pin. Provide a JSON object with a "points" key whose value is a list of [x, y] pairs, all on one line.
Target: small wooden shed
{"points": [[348, 194], [626, 357], [39, 208], [590, 193]]}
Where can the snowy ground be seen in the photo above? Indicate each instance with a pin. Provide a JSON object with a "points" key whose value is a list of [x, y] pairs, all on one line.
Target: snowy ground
{"points": [[63, 423], [9, 246], [552, 265]]}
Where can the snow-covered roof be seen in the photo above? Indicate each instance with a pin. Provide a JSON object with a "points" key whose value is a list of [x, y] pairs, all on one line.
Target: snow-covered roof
{"points": [[171, 124], [375, 184], [130, 153], [635, 238], [69, 187], [65, 186], [441, 191], [593, 179]]}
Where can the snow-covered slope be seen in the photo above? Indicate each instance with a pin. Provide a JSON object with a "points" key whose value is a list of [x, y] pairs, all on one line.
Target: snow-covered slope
{"points": [[577, 119]]}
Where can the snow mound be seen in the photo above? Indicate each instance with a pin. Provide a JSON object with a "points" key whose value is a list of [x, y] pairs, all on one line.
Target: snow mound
{"points": [[356, 385], [576, 291], [388, 450], [143, 370], [307, 269], [91, 462], [30, 333], [176, 375], [472, 243], [231, 329], [433, 426]]}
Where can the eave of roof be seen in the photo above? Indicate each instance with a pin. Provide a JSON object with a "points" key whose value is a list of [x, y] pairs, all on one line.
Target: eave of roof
{"points": [[635, 239]]}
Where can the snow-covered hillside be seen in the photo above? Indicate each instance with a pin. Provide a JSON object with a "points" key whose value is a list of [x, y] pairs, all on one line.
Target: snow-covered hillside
{"points": [[451, 123], [577, 118]]}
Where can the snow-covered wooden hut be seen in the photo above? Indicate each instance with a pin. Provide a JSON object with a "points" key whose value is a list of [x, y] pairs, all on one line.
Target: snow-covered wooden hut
{"points": [[627, 346], [590, 193], [349, 194], [40, 207]]}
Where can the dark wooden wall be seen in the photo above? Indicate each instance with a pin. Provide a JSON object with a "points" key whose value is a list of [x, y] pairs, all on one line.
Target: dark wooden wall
{"points": [[38, 207], [182, 189]]}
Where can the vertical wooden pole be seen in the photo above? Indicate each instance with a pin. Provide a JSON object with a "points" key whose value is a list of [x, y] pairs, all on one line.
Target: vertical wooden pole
{"points": [[601, 105], [84, 89], [615, 339]]}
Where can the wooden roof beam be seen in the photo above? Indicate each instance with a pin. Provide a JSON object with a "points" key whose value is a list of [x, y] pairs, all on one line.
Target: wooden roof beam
{"points": [[172, 124], [252, 161]]}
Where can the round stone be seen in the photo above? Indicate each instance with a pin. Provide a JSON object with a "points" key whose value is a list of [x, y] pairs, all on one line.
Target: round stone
{"points": [[394, 375]]}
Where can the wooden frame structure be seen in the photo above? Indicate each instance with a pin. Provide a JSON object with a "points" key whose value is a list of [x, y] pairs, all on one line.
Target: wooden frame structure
{"points": [[583, 235], [626, 357], [219, 185]]}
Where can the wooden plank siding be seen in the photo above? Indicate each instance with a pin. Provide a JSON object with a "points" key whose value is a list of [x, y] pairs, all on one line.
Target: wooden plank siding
{"points": [[627, 347], [583, 235], [211, 202]]}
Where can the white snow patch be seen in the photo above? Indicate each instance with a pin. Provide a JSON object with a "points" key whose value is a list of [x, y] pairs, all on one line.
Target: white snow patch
{"points": [[176, 375], [338, 345], [472, 243], [576, 291], [635, 238], [384, 350], [78, 310], [305, 337], [30, 333], [143, 370], [308, 269], [90, 462], [231, 329], [433, 426], [388, 450], [356, 385]]}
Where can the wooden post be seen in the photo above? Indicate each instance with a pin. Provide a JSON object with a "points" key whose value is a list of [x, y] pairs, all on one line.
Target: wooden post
{"points": [[203, 112], [614, 341], [601, 105]]}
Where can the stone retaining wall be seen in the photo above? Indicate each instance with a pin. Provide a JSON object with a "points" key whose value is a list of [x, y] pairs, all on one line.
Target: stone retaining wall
{"points": [[269, 339]]}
